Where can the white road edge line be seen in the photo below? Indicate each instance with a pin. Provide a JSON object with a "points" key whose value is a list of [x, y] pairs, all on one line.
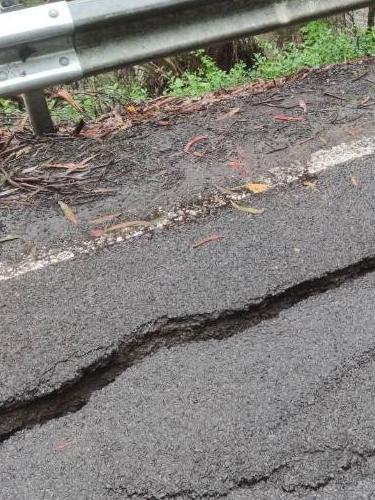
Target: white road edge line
{"points": [[320, 161]]}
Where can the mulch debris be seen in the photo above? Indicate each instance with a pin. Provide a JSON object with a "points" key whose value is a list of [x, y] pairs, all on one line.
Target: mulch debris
{"points": [[30, 172]]}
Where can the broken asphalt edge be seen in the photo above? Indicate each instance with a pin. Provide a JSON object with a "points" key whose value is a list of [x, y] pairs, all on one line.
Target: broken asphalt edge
{"points": [[165, 332]]}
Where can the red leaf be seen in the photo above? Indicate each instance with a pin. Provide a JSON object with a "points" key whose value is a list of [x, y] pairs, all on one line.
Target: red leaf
{"points": [[164, 123], [97, 233], [70, 167], [303, 105], [230, 113], [64, 94], [61, 446], [210, 239], [286, 118], [234, 163], [192, 142]]}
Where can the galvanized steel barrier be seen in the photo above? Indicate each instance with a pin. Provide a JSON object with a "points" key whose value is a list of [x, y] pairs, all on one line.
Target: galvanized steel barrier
{"points": [[64, 41]]}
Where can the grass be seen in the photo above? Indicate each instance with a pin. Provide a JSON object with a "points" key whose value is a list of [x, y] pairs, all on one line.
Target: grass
{"points": [[321, 44], [207, 78], [97, 95]]}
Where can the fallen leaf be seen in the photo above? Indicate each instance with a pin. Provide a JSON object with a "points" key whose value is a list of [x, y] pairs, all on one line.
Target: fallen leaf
{"points": [[23, 151], [310, 185], [10, 237], [97, 132], [68, 212], [303, 141], [355, 181], [365, 101], [60, 446], [164, 123], [69, 167], [131, 109], [105, 218], [256, 187], [286, 118], [102, 128], [103, 190], [87, 160], [355, 131], [127, 225], [302, 104], [230, 113], [64, 94], [248, 210], [30, 169], [97, 233], [192, 142], [210, 239], [235, 164]]}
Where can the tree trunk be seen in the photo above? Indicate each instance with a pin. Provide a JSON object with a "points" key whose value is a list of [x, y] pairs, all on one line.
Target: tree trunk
{"points": [[371, 16]]}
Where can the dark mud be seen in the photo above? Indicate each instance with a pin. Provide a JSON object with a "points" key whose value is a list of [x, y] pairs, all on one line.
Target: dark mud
{"points": [[150, 173]]}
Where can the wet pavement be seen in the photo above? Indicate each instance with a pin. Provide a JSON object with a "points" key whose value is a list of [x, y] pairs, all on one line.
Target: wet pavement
{"points": [[220, 354]]}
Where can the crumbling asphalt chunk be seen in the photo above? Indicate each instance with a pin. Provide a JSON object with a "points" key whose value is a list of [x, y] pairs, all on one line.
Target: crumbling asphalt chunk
{"points": [[67, 323]]}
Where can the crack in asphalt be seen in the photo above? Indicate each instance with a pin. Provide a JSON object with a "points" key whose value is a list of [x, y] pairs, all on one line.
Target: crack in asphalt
{"points": [[355, 460], [164, 333]]}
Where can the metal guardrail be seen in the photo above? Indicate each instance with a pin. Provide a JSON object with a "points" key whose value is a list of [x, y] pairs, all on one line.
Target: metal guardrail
{"points": [[65, 41], [35, 102]]}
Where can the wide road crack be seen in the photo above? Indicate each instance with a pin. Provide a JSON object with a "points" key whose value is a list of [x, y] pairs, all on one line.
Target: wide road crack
{"points": [[164, 333]]}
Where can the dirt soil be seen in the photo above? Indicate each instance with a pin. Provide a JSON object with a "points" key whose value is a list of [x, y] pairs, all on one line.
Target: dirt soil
{"points": [[177, 158]]}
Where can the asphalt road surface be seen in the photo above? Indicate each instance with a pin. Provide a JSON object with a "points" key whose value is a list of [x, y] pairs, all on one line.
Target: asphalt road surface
{"points": [[217, 353]]}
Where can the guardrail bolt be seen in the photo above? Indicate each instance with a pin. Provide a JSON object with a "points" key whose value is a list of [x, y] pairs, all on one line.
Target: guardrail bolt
{"points": [[10, 5], [64, 61], [53, 13]]}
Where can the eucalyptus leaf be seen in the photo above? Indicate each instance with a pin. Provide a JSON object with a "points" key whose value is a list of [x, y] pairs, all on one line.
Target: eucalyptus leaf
{"points": [[248, 210]]}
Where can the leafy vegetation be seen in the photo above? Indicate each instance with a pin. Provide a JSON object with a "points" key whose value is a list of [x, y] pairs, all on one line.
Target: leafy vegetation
{"points": [[207, 78], [322, 43], [8, 107], [97, 95]]}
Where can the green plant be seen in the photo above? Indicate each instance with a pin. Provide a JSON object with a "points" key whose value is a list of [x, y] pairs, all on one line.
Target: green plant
{"points": [[322, 44], [8, 107], [208, 77], [97, 95]]}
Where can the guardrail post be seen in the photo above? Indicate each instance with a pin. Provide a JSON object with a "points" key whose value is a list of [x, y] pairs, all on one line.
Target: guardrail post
{"points": [[35, 102], [39, 115], [64, 41]]}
